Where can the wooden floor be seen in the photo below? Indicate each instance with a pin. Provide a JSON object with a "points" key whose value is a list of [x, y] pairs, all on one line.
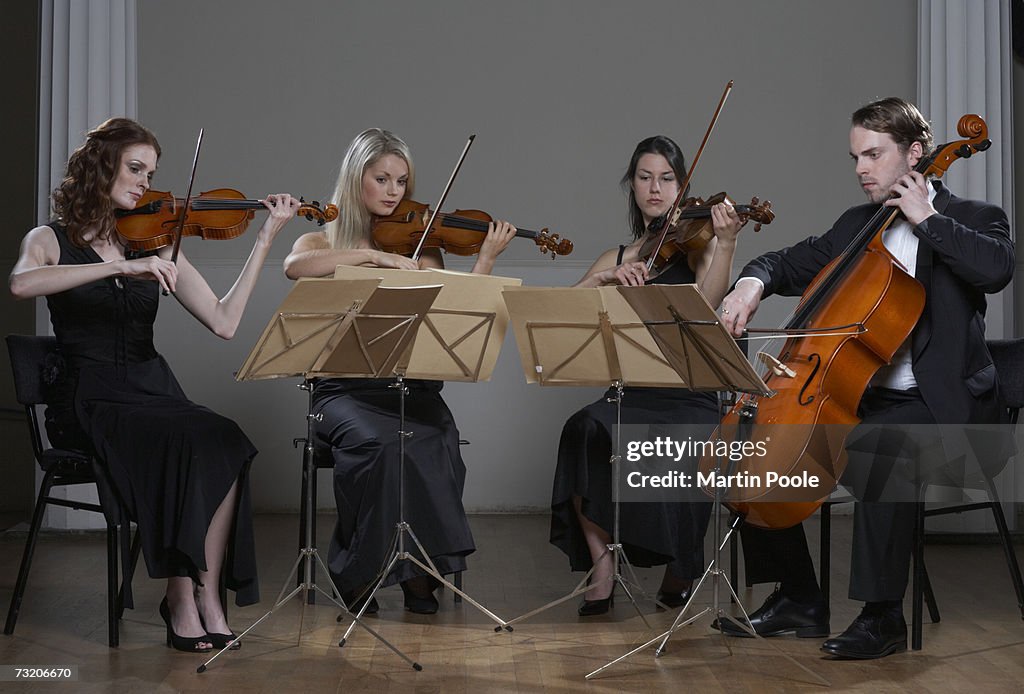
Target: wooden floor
{"points": [[979, 645]]}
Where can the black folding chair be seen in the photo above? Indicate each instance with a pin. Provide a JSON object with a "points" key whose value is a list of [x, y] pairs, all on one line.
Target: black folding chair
{"points": [[62, 467]]}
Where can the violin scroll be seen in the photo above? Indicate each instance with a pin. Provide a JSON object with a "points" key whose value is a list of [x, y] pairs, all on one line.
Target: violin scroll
{"points": [[551, 243], [314, 213], [760, 212]]}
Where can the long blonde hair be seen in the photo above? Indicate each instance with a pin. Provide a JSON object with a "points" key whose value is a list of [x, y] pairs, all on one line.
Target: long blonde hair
{"points": [[353, 222]]}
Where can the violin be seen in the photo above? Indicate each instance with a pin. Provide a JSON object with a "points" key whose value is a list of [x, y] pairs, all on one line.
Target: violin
{"points": [[461, 233], [219, 214], [691, 228]]}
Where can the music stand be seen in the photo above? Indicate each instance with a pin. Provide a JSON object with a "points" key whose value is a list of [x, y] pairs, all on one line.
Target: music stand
{"points": [[693, 341], [593, 337], [458, 340], [330, 328]]}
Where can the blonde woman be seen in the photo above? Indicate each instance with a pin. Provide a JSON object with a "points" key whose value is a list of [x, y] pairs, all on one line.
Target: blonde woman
{"points": [[360, 417]]}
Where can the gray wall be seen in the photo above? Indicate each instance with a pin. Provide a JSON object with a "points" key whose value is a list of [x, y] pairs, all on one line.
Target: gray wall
{"points": [[558, 94]]}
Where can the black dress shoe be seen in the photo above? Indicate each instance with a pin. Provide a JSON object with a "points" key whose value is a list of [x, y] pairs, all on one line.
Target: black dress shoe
{"points": [[593, 608], [417, 603], [874, 634], [780, 615], [673, 600]]}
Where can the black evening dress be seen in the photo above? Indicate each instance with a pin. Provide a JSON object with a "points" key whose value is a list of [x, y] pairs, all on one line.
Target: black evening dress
{"points": [[170, 460], [654, 532], [360, 423]]}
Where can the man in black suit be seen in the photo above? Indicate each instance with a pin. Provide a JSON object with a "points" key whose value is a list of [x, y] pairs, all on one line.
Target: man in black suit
{"points": [[959, 250]]}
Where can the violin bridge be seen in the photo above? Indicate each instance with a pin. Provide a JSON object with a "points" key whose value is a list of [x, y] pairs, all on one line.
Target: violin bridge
{"points": [[777, 367]]}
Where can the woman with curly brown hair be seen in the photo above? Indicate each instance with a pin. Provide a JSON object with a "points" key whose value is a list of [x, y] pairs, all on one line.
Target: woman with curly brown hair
{"points": [[181, 469]]}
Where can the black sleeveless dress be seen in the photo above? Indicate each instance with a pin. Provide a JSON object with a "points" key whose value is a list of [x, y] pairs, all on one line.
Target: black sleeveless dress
{"points": [[652, 533], [171, 461]]}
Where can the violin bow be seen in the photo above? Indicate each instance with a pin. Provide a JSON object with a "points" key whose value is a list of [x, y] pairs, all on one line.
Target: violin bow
{"points": [[671, 215], [179, 227], [444, 196]]}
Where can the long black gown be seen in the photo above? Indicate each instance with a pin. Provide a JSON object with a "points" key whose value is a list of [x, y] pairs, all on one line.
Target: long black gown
{"points": [[171, 461], [652, 532], [360, 423]]}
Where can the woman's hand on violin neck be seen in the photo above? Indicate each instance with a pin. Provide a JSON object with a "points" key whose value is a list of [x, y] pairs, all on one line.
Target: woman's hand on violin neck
{"points": [[283, 208], [154, 268], [739, 305], [630, 274], [726, 223], [393, 260], [499, 234]]}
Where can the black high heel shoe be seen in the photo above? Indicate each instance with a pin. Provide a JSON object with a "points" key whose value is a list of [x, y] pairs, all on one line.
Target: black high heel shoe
{"points": [[187, 644], [593, 608], [221, 640], [419, 604]]}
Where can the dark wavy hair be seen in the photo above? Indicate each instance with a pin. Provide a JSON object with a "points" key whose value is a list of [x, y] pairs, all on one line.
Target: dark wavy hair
{"points": [[898, 118], [82, 200], [658, 144]]}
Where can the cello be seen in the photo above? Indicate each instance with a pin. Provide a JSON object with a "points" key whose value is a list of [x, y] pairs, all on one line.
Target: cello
{"points": [[850, 321]]}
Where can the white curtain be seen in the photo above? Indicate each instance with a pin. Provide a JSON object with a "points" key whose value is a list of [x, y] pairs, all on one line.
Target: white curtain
{"points": [[965, 65], [87, 74]]}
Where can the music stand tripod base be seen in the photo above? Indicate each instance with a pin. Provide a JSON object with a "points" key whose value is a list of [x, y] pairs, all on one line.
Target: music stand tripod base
{"points": [[307, 555], [397, 548], [614, 548], [718, 576]]}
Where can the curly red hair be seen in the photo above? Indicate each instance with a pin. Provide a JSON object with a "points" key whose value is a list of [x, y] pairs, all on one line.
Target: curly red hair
{"points": [[82, 200]]}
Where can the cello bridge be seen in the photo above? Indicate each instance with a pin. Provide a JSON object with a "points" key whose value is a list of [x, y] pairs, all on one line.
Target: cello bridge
{"points": [[777, 367]]}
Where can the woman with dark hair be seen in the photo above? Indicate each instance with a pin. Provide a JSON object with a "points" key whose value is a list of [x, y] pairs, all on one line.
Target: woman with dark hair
{"points": [[652, 532], [181, 469]]}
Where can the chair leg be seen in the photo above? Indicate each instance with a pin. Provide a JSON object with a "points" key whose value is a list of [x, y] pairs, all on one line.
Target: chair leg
{"points": [[458, 584], [1011, 555], [825, 552], [113, 597], [133, 561], [26, 557], [917, 591], [929, 594]]}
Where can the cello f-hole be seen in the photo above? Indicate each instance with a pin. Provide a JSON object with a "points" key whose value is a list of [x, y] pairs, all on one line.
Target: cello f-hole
{"points": [[817, 359]]}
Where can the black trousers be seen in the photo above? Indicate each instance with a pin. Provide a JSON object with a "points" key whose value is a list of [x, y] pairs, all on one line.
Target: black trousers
{"points": [[883, 531]]}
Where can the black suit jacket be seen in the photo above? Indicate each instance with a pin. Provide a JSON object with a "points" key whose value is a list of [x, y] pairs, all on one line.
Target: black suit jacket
{"points": [[964, 252]]}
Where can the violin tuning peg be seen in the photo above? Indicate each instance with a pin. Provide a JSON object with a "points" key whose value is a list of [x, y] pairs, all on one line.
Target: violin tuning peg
{"points": [[302, 200]]}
